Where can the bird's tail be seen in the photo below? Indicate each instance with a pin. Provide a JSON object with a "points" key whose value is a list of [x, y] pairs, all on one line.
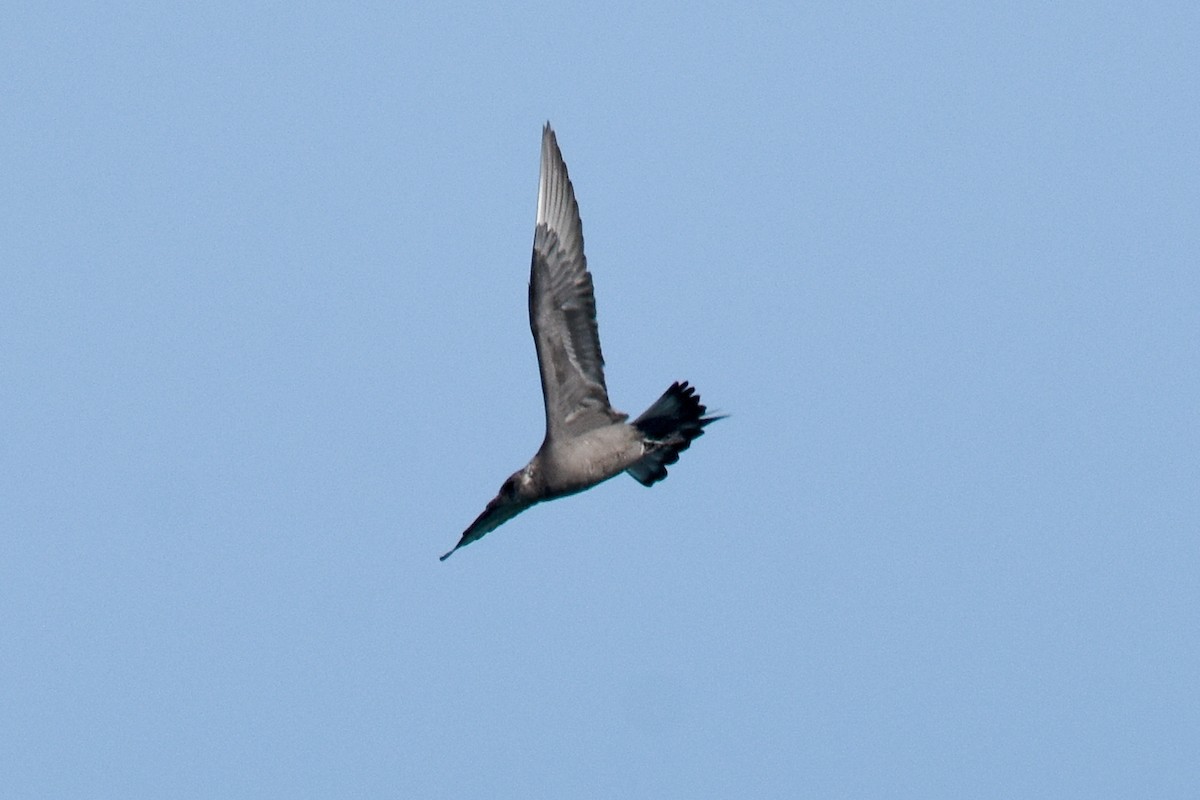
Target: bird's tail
{"points": [[668, 428]]}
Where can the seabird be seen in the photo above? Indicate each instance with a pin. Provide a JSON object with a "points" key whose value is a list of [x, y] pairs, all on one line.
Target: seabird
{"points": [[587, 440]]}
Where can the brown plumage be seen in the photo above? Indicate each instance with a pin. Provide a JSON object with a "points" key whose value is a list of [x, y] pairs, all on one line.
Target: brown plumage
{"points": [[587, 440]]}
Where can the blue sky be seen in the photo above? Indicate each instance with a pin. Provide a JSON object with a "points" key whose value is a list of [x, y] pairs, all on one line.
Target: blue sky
{"points": [[265, 355]]}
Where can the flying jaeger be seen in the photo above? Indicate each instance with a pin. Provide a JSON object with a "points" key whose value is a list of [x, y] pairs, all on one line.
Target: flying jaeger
{"points": [[587, 440]]}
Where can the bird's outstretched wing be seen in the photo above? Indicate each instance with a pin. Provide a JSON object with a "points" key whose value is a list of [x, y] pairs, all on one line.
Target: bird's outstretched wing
{"points": [[498, 512], [562, 308]]}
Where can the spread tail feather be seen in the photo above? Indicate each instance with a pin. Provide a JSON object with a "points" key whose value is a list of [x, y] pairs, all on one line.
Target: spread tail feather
{"points": [[668, 427]]}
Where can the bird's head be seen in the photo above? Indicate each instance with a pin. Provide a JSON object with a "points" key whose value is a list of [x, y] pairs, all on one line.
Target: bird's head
{"points": [[519, 486]]}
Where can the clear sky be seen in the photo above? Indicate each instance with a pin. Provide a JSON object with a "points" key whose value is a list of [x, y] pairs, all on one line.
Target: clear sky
{"points": [[264, 354]]}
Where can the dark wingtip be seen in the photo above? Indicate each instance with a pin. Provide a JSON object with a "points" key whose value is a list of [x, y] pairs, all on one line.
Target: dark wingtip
{"points": [[443, 558]]}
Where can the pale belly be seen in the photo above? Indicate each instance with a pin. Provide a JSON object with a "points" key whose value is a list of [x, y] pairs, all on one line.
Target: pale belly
{"points": [[586, 460]]}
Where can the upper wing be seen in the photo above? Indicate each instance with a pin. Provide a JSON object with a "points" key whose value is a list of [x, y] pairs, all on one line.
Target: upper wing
{"points": [[562, 308]]}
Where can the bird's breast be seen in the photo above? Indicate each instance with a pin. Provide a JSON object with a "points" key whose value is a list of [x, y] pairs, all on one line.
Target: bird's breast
{"points": [[583, 461]]}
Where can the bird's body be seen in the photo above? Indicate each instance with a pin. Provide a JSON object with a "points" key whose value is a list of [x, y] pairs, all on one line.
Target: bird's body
{"points": [[587, 440], [578, 463]]}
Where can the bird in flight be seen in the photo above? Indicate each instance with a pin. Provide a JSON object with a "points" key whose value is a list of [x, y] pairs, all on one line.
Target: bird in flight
{"points": [[587, 440]]}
